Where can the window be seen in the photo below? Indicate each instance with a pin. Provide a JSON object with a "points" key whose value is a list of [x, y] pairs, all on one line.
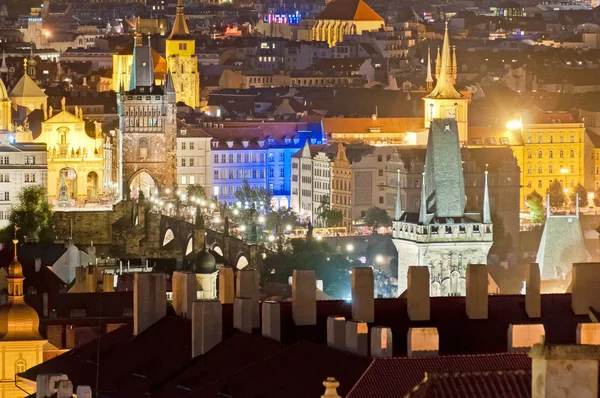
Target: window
{"points": [[539, 154], [240, 174], [271, 172], [216, 159], [551, 139], [182, 47], [246, 174], [183, 180], [381, 200], [539, 139], [6, 177], [539, 183], [561, 139], [539, 169], [216, 174], [572, 138], [550, 169], [529, 170], [191, 162], [239, 158], [379, 158], [192, 180], [223, 158], [561, 154], [528, 184], [271, 157], [550, 154], [20, 366], [380, 172], [254, 173], [282, 157], [6, 196], [231, 158], [529, 154], [183, 145], [247, 158], [191, 145], [231, 174], [529, 139], [572, 153], [262, 173], [572, 170], [28, 177], [182, 162], [281, 172]]}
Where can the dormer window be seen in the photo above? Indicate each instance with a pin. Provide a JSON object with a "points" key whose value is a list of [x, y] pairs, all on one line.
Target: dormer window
{"points": [[183, 131], [287, 140], [245, 143], [313, 141], [215, 144], [261, 143], [229, 144], [296, 140]]}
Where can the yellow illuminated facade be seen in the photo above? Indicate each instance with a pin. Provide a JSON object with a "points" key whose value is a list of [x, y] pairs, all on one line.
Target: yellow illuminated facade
{"points": [[5, 113], [74, 157], [123, 60], [182, 62], [21, 346]]}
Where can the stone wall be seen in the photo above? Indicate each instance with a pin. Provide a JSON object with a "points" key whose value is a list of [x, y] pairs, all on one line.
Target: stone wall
{"points": [[87, 225]]}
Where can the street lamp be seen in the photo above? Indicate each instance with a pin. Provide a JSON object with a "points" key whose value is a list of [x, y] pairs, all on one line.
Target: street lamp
{"points": [[349, 247]]}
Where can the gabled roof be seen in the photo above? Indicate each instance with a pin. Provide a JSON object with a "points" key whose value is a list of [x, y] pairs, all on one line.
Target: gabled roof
{"points": [[349, 10], [63, 117], [27, 88]]}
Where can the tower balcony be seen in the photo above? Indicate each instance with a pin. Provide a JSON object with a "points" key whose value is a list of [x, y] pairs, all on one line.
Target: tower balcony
{"points": [[450, 232]]}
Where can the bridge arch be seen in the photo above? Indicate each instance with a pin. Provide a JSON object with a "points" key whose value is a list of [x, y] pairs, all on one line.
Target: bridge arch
{"points": [[168, 237], [242, 261], [217, 248]]}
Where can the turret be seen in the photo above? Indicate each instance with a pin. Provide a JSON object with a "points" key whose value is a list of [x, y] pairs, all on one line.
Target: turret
{"points": [[487, 216], [429, 78]]}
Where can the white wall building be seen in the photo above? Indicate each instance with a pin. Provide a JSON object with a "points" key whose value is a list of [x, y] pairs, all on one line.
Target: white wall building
{"points": [[21, 165], [193, 157]]}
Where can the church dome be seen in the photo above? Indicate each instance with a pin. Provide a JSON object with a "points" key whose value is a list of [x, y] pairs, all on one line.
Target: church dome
{"points": [[204, 263]]}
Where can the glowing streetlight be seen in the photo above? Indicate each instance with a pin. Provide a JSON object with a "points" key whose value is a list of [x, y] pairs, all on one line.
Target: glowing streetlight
{"points": [[349, 247], [236, 212], [566, 190], [217, 220], [271, 238], [379, 259], [514, 125], [167, 191], [242, 228], [261, 219], [319, 237], [288, 227], [212, 206]]}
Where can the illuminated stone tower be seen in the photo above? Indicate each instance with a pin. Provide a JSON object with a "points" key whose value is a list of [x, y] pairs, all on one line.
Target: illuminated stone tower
{"points": [[442, 236], [182, 62], [445, 101], [147, 116]]}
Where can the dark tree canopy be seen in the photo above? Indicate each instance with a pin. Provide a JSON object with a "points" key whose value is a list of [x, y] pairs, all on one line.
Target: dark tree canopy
{"points": [[535, 202], [33, 215], [557, 194]]}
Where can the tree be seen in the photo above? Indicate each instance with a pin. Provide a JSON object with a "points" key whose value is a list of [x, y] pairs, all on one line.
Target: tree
{"points": [[284, 216], [535, 202], [502, 239], [583, 198], [328, 216], [252, 201], [196, 191], [557, 194], [376, 217], [33, 215]]}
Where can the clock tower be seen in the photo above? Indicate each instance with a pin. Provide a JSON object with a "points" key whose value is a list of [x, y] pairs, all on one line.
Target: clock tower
{"points": [[445, 102]]}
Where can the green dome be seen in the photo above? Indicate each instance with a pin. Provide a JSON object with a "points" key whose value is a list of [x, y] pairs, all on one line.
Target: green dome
{"points": [[205, 263]]}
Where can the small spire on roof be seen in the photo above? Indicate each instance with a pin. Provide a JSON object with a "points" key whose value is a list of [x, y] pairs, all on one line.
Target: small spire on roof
{"points": [[331, 385]]}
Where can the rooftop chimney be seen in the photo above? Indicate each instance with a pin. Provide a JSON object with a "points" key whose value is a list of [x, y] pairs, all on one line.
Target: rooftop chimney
{"points": [[336, 332], [363, 294], [184, 288], [533, 298], [477, 291], [271, 320], [381, 342], [65, 389], [588, 333], [585, 282], [417, 294], [522, 337], [108, 282], [357, 338], [226, 289], [207, 326], [83, 392], [47, 384], [247, 287], [564, 371], [422, 342], [242, 314], [149, 300], [304, 297]]}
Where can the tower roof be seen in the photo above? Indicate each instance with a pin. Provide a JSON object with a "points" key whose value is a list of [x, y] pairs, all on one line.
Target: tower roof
{"points": [[443, 182], [18, 321], [27, 88], [444, 88], [3, 92], [142, 67], [349, 10], [180, 28]]}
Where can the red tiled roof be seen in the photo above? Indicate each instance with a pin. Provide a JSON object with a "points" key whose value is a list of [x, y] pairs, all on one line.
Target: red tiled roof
{"points": [[349, 10], [495, 384], [396, 377]]}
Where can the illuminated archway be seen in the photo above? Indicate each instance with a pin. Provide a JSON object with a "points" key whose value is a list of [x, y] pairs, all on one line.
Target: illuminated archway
{"points": [[142, 181], [169, 236], [70, 179], [242, 262], [92, 185]]}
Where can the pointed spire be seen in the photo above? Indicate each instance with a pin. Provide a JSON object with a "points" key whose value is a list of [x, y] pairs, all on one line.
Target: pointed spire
{"points": [[169, 87], [142, 67], [3, 68], [438, 64], [454, 65], [180, 28], [423, 208], [398, 199], [487, 215], [444, 87], [429, 78]]}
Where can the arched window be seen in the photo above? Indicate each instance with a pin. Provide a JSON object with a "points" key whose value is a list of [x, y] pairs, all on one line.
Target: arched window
{"points": [[550, 154], [572, 153], [529, 154], [561, 154], [550, 169], [539, 154], [20, 366]]}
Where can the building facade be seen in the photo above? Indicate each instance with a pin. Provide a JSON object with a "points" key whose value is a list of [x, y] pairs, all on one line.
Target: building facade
{"points": [[193, 157], [22, 165], [182, 61], [147, 121]]}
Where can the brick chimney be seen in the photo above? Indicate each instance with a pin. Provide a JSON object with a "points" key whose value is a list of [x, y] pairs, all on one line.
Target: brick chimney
{"points": [[242, 314], [108, 282], [357, 338], [363, 294], [588, 333], [533, 298], [585, 292], [83, 392], [564, 371], [47, 384], [207, 326], [149, 300], [417, 294], [477, 291], [522, 337], [304, 297], [226, 285]]}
